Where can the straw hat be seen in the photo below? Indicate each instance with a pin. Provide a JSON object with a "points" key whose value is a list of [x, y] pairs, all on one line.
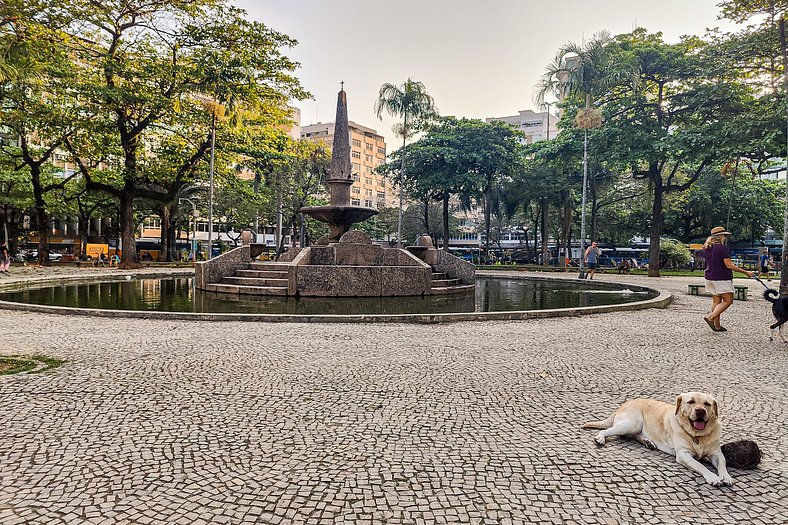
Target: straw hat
{"points": [[719, 230]]}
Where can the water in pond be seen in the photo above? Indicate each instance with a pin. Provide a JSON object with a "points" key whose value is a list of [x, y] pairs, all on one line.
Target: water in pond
{"points": [[178, 295]]}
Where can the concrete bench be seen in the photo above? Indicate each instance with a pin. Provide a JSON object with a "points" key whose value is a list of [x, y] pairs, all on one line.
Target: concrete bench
{"points": [[740, 291]]}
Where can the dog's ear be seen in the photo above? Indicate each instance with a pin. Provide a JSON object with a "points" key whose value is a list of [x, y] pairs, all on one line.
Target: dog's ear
{"points": [[716, 410], [678, 403]]}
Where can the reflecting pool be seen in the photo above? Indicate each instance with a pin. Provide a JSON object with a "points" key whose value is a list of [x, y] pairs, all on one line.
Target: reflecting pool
{"points": [[177, 294]]}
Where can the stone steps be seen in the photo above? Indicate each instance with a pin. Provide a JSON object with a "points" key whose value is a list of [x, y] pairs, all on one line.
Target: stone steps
{"points": [[452, 289], [256, 281], [269, 265], [261, 274], [246, 290], [442, 283]]}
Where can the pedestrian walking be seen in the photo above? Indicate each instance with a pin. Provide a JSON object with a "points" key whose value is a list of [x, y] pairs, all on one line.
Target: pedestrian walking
{"points": [[592, 258], [5, 258], [764, 262], [719, 275]]}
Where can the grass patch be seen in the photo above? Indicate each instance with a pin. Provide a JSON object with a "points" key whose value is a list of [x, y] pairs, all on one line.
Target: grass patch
{"points": [[16, 364], [49, 362]]}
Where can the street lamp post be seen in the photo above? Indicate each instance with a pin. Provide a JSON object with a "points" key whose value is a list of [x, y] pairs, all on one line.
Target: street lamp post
{"points": [[210, 185], [582, 274], [545, 257]]}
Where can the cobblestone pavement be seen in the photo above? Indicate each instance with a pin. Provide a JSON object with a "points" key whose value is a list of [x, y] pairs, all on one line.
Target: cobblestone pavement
{"points": [[479, 422]]}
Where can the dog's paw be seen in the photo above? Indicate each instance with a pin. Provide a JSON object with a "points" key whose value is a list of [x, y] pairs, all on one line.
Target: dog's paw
{"points": [[726, 479], [649, 444], [600, 441], [713, 479]]}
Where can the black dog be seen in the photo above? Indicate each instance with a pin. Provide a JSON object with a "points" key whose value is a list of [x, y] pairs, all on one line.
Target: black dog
{"points": [[743, 454], [779, 309]]}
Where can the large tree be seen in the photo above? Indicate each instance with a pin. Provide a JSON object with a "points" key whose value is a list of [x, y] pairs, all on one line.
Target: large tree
{"points": [[416, 108], [38, 109], [760, 51], [143, 62], [673, 123], [443, 163]]}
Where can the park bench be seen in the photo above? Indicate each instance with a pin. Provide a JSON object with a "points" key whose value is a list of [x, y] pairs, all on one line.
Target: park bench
{"points": [[740, 291]]}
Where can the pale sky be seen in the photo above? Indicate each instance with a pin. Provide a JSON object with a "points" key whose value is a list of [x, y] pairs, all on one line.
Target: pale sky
{"points": [[476, 58]]}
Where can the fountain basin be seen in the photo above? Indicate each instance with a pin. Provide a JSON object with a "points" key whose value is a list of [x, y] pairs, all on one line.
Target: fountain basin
{"points": [[495, 298]]}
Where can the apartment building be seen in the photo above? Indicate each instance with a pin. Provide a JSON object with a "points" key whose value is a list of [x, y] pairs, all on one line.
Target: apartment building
{"points": [[367, 151], [536, 126]]}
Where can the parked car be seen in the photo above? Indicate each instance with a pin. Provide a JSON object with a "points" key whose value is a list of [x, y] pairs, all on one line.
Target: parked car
{"points": [[32, 255]]}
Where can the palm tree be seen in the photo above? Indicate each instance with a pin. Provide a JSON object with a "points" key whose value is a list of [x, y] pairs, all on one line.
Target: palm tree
{"points": [[415, 106], [584, 70]]}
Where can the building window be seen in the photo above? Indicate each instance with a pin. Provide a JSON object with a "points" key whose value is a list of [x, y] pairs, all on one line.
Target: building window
{"points": [[355, 202], [355, 154], [368, 192], [356, 177], [368, 204], [152, 223], [356, 167], [355, 191], [368, 158], [368, 146], [381, 151], [381, 196], [356, 143], [367, 181]]}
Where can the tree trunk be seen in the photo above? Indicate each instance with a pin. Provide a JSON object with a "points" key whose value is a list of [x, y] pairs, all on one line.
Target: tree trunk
{"points": [[566, 226], [84, 229], [427, 214], [657, 218], [129, 259], [446, 222], [41, 215], [164, 233], [173, 253], [487, 206], [545, 251]]}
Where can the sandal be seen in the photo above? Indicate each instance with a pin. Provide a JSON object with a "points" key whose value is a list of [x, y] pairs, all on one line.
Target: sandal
{"points": [[711, 324], [722, 329]]}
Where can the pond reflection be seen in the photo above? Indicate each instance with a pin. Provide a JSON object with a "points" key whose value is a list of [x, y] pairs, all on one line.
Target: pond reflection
{"points": [[179, 295]]}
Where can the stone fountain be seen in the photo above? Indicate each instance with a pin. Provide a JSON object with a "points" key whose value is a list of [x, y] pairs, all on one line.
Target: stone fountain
{"points": [[344, 263], [339, 215]]}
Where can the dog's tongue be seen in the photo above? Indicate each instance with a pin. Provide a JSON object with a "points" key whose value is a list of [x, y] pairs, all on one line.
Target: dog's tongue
{"points": [[699, 425]]}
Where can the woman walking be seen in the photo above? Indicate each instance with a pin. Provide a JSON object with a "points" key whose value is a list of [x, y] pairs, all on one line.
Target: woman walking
{"points": [[719, 275], [5, 258]]}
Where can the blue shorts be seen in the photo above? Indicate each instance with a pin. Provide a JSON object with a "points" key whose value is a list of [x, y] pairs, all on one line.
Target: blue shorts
{"points": [[592, 266]]}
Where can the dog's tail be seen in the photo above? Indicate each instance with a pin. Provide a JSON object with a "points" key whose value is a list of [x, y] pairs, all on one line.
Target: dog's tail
{"points": [[768, 293], [600, 425]]}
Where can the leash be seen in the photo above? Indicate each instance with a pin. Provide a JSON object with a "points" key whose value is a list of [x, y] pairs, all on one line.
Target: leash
{"points": [[763, 283]]}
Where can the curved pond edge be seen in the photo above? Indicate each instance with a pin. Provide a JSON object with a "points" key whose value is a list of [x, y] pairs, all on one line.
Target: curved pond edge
{"points": [[663, 299]]}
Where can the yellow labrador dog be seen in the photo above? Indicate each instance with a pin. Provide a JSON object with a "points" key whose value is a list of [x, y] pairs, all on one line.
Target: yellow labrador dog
{"points": [[690, 431]]}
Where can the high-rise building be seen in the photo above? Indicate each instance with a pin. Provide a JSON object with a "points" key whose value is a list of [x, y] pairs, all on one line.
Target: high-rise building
{"points": [[367, 151], [536, 126]]}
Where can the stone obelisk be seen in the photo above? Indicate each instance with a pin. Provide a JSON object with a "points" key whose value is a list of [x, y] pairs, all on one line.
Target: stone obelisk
{"points": [[340, 215], [340, 177]]}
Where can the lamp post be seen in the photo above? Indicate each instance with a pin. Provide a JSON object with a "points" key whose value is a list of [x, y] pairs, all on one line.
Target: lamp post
{"points": [[210, 185], [545, 256], [582, 274], [195, 214]]}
